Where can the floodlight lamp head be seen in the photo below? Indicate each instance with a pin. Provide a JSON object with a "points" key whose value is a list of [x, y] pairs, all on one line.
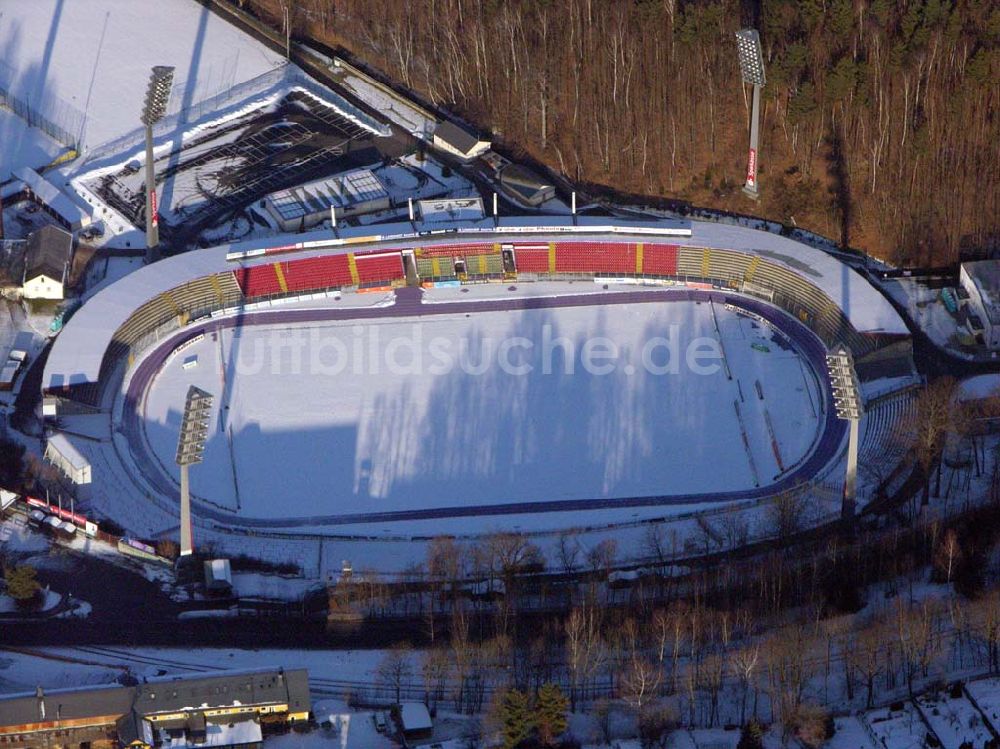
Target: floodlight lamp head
{"points": [[194, 427], [750, 56], [157, 94]]}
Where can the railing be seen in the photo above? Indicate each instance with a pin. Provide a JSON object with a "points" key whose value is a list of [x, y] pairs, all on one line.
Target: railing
{"points": [[51, 114]]}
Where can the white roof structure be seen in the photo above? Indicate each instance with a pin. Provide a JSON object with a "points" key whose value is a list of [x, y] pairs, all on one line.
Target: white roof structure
{"points": [[76, 356], [61, 444], [63, 455], [6, 499], [415, 717], [341, 190], [985, 274], [57, 201]]}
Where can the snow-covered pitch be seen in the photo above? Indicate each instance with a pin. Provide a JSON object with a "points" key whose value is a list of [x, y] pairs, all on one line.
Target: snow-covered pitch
{"points": [[329, 422]]}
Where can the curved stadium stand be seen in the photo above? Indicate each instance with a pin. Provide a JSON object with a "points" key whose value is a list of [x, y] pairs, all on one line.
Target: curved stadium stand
{"points": [[785, 282]]}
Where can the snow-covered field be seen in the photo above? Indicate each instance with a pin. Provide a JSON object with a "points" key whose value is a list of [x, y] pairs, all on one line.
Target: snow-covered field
{"points": [[21, 145], [95, 57], [340, 419]]}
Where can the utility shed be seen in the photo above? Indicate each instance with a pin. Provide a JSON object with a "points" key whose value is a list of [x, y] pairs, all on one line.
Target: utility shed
{"points": [[415, 720], [525, 186], [8, 373], [218, 576], [61, 453], [458, 141]]}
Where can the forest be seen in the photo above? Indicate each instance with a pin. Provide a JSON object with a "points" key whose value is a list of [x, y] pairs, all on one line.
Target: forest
{"points": [[880, 123]]}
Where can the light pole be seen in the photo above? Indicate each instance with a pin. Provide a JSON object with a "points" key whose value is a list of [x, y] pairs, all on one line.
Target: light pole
{"points": [[752, 69], [847, 403], [153, 109], [190, 449]]}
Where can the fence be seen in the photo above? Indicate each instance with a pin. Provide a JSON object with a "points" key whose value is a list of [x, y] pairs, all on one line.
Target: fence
{"points": [[48, 113]]}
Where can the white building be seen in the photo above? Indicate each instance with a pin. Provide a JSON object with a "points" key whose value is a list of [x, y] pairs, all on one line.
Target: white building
{"points": [[47, 258], [350, 194], [59, 451], [55, 202], [981, 280], [457, 141]]}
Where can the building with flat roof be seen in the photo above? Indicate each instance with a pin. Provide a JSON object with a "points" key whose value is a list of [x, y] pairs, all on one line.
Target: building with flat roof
{"points": [[981, 281], [458, 141], [526, 186], [350, 194], [450, 209], [415, 721], [228, 709]]}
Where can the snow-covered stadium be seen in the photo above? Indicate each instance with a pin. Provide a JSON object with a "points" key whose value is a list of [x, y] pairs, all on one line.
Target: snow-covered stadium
{"points": [[455, 395]]}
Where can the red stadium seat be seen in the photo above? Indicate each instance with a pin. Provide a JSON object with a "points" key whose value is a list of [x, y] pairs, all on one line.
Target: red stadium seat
{"points": [[459, 250], [317, 273], [531, 260], [595, 257], [381, 267], [259, 280], [659, 259]]}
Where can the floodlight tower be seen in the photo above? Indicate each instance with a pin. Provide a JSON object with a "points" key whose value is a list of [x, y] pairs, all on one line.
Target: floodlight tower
{"points": [[153, 109], [752, 69], [190, 449], [848, 405]]}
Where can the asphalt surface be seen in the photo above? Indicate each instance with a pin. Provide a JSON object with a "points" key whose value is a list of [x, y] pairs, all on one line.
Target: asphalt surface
{"points": [[408, 304]]}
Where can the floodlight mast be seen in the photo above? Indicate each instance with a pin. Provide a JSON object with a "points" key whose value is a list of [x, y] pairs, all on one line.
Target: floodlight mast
{"points": [[849, 407], [752, 69], [190, 450], [153, 110]]}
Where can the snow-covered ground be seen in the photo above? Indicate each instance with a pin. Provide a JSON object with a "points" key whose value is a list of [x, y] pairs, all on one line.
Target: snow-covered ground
{"points": [[331, 433], [898, 729], [95, 57], [22, 145], [926, 309], [850, 734], [954, 720], [985, 693]]}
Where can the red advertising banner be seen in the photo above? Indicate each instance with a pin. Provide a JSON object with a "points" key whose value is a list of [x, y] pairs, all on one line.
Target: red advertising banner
{"points": [[752, 168]]}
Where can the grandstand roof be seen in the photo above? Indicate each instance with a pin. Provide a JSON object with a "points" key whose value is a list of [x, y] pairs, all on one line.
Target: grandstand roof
{"points": [[76, 356], [341, 190]]}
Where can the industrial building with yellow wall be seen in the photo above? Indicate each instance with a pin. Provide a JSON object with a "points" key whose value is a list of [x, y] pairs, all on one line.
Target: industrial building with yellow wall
{"points": [[233, 709]]}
